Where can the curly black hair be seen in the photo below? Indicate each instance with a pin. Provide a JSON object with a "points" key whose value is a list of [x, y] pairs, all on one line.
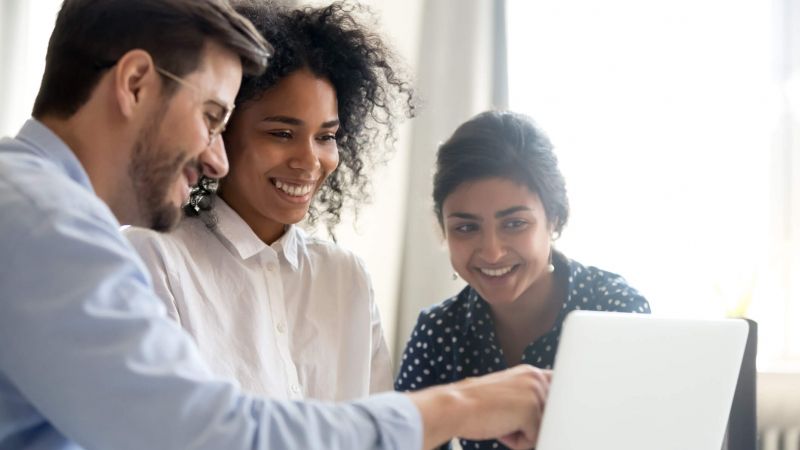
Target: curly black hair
{"points": [[335, 44]]}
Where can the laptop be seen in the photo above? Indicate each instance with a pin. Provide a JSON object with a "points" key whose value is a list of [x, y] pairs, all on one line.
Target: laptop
{"points": [[633, 382]]}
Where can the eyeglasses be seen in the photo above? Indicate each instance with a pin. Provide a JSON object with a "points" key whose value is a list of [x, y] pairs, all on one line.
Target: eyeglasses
{"points": [[217, 119]]}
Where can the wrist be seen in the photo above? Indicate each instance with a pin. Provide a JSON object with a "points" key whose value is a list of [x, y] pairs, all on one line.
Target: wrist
{"points": [[440, 408]]}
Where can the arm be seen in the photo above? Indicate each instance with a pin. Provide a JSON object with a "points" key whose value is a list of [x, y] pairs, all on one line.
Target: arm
{"points": [[637, 303], [82, 331], [380, 363], [621, 297], [509, 404]]}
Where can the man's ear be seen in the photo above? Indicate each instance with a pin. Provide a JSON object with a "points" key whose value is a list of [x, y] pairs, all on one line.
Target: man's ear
{"points": [[135, 78]]}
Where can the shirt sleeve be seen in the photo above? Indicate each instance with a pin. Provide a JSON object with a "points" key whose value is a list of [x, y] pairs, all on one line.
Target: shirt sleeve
{"points": [[618, 296], [637, 302], [147, 245], [380, 379], [419, 367], [89, 347]]}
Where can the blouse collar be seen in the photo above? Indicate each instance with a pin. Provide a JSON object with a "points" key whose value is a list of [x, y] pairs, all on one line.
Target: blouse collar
{"points": [[237, 235]]}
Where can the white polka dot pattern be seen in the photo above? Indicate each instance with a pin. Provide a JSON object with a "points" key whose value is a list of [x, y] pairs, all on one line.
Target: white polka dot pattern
{"points": [[456, 338]]}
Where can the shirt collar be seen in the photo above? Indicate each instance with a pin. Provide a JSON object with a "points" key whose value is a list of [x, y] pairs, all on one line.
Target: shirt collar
{"points": [[477, 313], [45, 143], [238, 236], [571, 269], [292, 243]]}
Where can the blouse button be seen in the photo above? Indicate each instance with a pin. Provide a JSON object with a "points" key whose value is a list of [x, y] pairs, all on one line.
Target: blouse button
{"points": [[281, 328], [295, 389], [271, 267]]}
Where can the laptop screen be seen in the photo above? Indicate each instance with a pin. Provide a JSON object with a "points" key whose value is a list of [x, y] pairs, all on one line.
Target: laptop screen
{"points": [[628, 382]]}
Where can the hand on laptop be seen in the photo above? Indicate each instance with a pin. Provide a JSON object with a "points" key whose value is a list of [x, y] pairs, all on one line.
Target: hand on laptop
{"points": [[507, 404]]}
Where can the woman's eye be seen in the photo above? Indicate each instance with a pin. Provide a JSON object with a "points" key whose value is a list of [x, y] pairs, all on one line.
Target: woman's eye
{"points": [[281, 134], [328, 137], [516, 224], [465, 228]]}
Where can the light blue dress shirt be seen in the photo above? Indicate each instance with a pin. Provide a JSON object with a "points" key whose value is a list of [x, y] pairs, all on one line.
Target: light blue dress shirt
{"points": [[88, 357]]}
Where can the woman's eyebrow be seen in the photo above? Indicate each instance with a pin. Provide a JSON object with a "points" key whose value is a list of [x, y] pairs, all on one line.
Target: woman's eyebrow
{"points": [[297, 122], [512, 210], [330, 123], [462, 215], [283, 119]]}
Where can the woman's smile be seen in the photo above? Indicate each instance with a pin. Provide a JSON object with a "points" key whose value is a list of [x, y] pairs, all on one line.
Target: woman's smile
{"points": [[294, 191]]}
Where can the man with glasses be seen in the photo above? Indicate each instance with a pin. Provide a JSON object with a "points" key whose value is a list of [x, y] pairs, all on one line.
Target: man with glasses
{"points": [[218, 114], [133, 98]]}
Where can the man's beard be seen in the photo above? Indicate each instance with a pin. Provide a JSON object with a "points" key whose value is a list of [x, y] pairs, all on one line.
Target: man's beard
{"points": [[153, 171]]}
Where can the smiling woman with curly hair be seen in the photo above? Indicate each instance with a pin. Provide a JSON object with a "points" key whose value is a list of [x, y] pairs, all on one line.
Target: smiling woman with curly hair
{"points": [[286, 314], [333, 45]]}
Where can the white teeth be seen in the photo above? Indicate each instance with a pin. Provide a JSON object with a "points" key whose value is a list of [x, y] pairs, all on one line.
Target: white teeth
{"points": [[497, 272], [294, 190]]}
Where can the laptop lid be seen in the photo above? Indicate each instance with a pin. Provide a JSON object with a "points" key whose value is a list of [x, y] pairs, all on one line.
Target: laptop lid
{"points": [[632, 382]]}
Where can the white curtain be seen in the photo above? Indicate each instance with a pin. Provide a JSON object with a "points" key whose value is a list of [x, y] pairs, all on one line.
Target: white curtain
{"points": [[25, 27], [10, 11], [460, 72]]}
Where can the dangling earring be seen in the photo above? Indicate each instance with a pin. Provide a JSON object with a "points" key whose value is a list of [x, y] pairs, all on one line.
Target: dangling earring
{"points": [[553, 236]]}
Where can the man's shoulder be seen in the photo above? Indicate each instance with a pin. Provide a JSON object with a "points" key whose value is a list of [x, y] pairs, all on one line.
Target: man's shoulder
{"points": [[41, 209], [54, 227], [24, 175], [33, 188]]}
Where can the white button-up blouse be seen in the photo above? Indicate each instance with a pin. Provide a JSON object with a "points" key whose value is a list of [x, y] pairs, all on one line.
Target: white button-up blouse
{"points": [[295, 319]]}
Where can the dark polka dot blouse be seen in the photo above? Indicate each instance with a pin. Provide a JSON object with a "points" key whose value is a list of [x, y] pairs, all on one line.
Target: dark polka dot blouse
{"points": [[456, 339]]}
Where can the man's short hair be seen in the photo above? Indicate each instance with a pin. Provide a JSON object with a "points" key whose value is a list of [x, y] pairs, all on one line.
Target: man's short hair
{"points": [[91, 35]]}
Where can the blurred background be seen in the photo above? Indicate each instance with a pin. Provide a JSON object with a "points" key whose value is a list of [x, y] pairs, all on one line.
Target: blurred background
{"points": [[677, 126]]}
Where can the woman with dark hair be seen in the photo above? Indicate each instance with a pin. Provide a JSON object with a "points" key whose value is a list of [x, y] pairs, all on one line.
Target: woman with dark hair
{"points": [[501, 201], [286, 314]]}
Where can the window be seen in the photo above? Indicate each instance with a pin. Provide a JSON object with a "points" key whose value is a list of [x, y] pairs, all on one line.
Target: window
{"points": [[673, 130], [25, 28]]}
